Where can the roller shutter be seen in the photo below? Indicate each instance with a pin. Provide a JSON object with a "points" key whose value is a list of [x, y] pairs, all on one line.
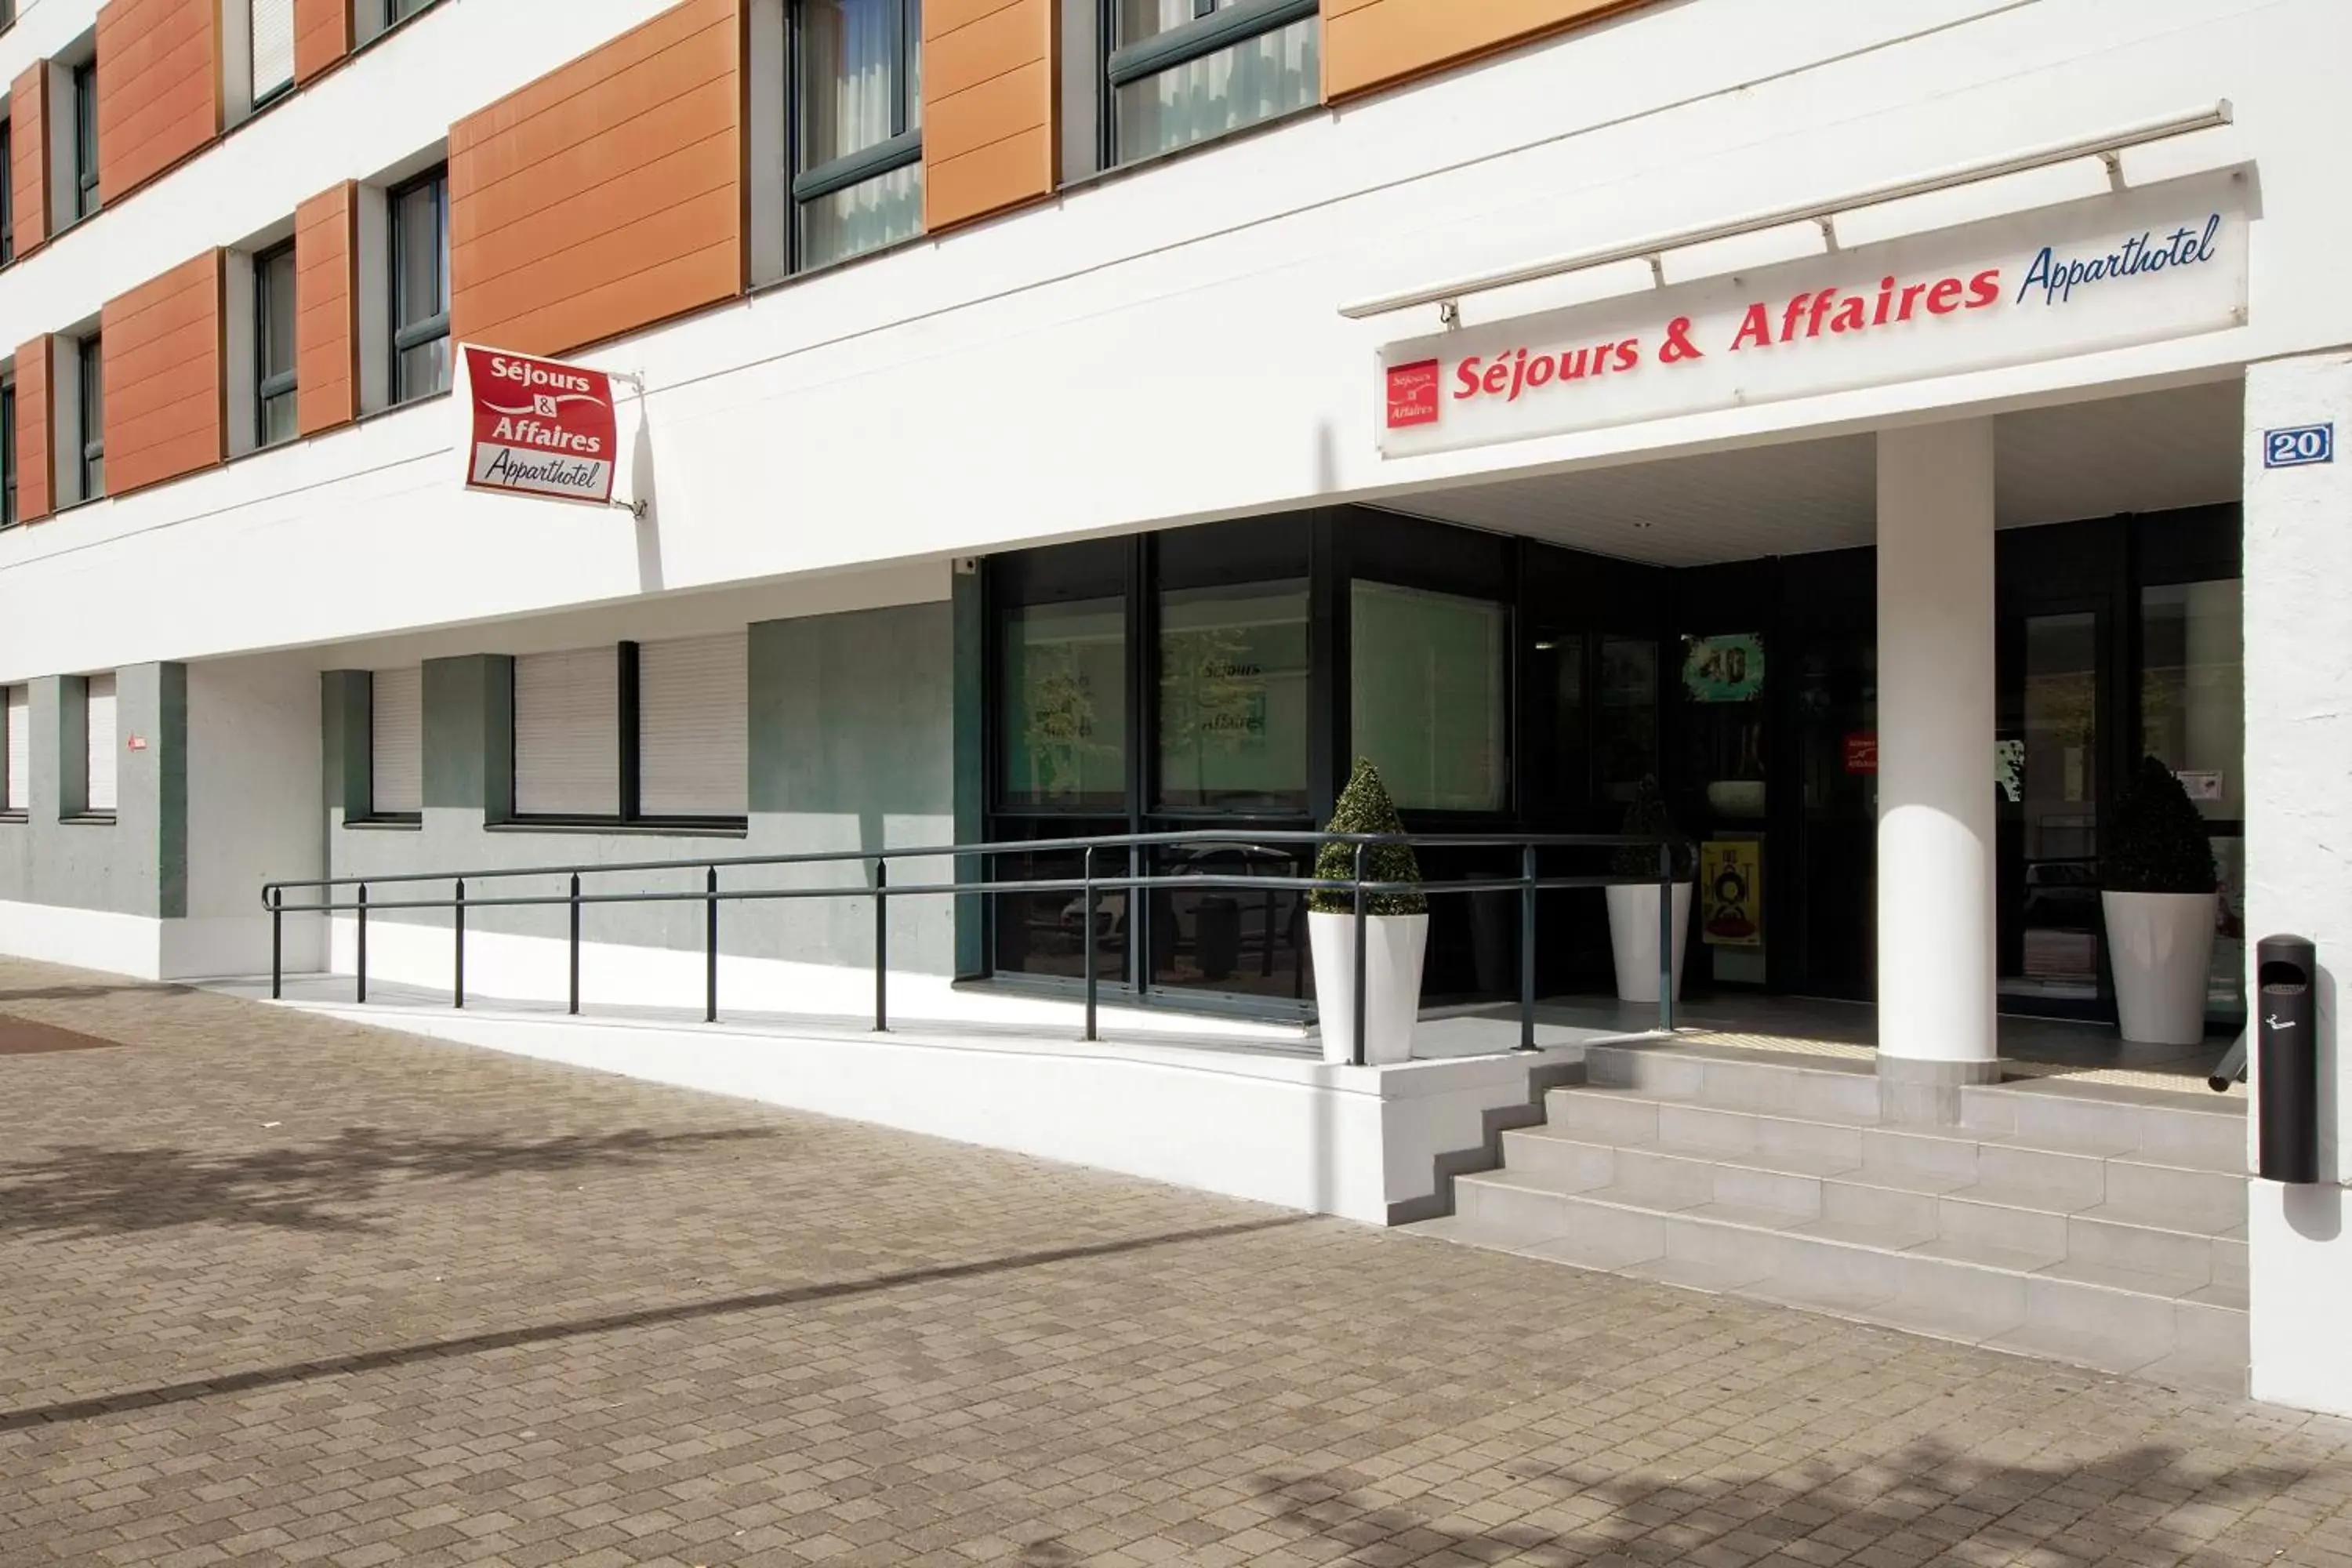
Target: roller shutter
{"points": [[19, 720], [98, 744], [396, 742], [567, 729], [693, 735]]}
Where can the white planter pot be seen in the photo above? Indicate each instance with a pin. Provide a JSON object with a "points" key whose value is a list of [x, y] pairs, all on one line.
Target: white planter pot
{"points": [[1393, 949], [2161, 945], [1634, 938]]}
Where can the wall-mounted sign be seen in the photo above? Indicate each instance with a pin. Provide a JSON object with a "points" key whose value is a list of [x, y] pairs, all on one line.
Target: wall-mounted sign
{"points": [[1731, 892], [539, 428], [1862, 752], [136, 743], [2162, 261], [2299, 446], [1724, 668]]}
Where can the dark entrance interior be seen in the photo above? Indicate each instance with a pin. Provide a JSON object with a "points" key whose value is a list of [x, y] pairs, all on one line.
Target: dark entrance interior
{"points": [[1224, 676]]}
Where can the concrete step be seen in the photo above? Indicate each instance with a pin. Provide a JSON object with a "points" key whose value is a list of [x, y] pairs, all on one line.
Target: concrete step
{"points": [[2049, 1220], [2006, 1168], [2182, 1131], [1659, 1223]]}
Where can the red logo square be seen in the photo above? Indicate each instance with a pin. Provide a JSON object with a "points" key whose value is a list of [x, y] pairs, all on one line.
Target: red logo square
{"points": [[1412, 395]]}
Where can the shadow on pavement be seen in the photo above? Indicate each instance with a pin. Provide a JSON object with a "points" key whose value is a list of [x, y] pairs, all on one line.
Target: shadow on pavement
{"points": [[1927, 1500], [88, 1190], [236, 1382]]}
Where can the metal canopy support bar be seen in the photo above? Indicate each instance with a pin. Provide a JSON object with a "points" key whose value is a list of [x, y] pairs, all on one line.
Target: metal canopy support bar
{"points": [[2104, 145]]}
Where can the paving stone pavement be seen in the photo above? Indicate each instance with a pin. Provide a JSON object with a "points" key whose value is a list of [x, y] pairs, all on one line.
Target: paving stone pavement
{"points": [[275, 1288]]}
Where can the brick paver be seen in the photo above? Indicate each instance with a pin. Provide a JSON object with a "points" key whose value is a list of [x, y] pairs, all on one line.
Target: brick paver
{"points": [[280, 1290]]}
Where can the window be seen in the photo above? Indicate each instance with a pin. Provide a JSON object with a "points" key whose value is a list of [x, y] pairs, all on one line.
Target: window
{"points": [[652, 733], [396, 743], [1182, 71], [7, 187], [694, 748], [273, 346], [7, 454], [1064, 692], [1233, 712], [16, 760], [1427, 681], [398, 11], [420, 287], [858, 139], [91, 357], [97, 746], [273, 48], [85, 108]]}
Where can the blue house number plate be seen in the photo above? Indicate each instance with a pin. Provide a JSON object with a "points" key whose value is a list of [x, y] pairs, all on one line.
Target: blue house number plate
{"points": [[2298, 444]]}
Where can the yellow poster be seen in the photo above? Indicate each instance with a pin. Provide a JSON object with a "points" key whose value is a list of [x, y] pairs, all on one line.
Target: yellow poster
{"points": [[1731, 892]]}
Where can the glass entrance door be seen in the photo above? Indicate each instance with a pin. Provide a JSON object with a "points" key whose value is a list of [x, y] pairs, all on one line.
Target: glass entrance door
{"points": [[2046, 774], [1835, 899]]}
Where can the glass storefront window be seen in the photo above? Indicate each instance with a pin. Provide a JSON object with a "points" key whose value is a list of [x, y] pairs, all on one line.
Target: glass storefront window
{"points": [[1427, 700], [2048, 774], [1063, 740], [1233, 715], [1628, 736], [2193, 692], [2192, 711]]}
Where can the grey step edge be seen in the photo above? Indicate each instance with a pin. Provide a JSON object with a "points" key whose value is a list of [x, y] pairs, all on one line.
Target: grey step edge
{"points": [[1956, 1298]]}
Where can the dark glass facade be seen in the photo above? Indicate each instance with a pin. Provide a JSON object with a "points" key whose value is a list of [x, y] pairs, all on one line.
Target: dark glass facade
{"points": [[1223, 675]]}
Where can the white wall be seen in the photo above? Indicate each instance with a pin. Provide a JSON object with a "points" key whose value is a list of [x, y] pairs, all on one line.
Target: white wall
{"points": [[1154, 348], [2298, 865]]}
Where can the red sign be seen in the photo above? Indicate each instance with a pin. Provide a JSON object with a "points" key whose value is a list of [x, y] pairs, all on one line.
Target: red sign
{"points": [[138, 743], [1412, 395], [541, 428], [1862, 753]]}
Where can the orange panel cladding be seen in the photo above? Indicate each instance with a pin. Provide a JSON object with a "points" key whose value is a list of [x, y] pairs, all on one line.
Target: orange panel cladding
{"points": [[322, 36], [326, 309], [159, 92], [605, 195], [163, 364], [28, 143], [988, 108], [1371, 43], [35, 387]]}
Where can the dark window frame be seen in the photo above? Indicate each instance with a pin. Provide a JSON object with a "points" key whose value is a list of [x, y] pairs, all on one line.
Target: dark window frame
{"points": [[85, 94], [1216, 25], [404, 336], [7, 188], [90, 390], [628, 692], [268, 386], [9, 453], [903, 148]]}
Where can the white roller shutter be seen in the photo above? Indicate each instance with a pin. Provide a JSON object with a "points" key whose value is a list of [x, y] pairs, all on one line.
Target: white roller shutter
{"points": [[97, 730], [273, 45], [396, 740], [567, 729], [20, 749], [693, 736]]}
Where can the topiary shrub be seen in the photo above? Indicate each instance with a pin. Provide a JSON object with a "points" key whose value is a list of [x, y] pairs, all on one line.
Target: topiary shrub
{"points": [[1647, 817], [2156, 842], [1365, 807]]}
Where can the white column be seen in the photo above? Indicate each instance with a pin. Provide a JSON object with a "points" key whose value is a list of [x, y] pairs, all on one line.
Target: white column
{"points": [[2298, 556], [1935, 953]]}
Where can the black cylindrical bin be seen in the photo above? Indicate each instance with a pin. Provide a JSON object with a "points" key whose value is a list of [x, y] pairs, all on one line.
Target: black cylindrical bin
{"points": [[2286, 1075]]}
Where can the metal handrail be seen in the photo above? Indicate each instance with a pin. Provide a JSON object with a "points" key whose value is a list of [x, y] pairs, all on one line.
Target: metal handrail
{"points": [[1089, 884]]}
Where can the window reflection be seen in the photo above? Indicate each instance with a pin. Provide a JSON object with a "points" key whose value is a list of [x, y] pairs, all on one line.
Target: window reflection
{"points": [[1234, 697], [1427, 686], [1064, 691]]}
